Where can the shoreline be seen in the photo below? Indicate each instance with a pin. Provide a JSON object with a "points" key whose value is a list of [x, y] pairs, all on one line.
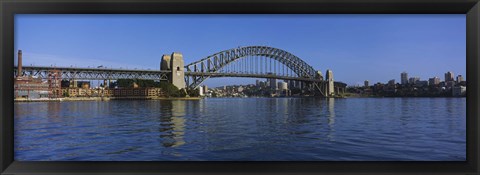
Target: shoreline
{"points": [[104, 99], [400, 97], [183, 98]]}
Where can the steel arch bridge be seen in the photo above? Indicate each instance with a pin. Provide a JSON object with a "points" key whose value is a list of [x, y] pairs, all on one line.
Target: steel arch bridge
{"points": [[252, 61], [249, 61]]}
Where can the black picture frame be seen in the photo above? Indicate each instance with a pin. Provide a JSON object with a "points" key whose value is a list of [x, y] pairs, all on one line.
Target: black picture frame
{"points": [[8, 8]]}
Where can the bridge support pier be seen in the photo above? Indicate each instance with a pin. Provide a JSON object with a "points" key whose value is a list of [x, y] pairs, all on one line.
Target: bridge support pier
{"points": [[175, 64]]}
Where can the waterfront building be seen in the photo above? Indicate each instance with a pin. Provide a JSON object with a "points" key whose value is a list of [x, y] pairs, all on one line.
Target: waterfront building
{"points": [[72, 92], [273, 83], [365, 83], [200, 91], [31, 88], [450, 84], [449, 76], [55, 83], [282, 86], [65, 83], [283, 89], [205, 89], [404, 78], [73, 83], [83, 92], [261, 84], [128, 92], [459, 78], [87, 85], [82, 84], [434, 81], [291, 84], [459, 91], [109, 92]]}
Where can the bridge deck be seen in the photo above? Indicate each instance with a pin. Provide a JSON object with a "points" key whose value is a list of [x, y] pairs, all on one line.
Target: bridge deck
{"points": [[113, 74], [66, 69]]}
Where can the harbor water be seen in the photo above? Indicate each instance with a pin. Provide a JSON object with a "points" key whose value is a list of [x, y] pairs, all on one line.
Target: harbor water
{"points": [[243, 129]]}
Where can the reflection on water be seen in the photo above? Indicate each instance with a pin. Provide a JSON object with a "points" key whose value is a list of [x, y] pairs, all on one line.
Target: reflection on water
{"points": [[331, 119], [331, 111], [172, 123], [243, 129]]}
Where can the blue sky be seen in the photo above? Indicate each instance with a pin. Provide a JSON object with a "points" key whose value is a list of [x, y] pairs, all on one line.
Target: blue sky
{"points": [[356, 47]]}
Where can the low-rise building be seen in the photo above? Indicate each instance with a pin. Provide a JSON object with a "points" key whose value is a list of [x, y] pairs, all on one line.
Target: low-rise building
{"points": [[72, 92], [421, 83], [459, 91], [136, 92], [31, 88]]}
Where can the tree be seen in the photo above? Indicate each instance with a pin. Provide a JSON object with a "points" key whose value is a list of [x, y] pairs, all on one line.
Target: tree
{"points": [[128, 83], [113, 85], [214, 94], [193, 92], [66, 94], [168, 89], [145, 83], [125, 83], [181, 93]]}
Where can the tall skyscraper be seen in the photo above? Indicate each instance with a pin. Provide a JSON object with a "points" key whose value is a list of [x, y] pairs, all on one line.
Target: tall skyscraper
{"points": [[449, 76], [434, 81], [272, 82], [404, 77], [366, 83], [391, 82], [413, 80], [459, 78]]}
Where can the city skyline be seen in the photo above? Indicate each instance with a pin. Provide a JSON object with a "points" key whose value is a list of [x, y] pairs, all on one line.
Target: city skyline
{"points": [[455, 77], [423, 45], [400, 80]]}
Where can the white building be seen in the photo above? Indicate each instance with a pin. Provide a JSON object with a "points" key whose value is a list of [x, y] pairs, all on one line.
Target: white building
{"points": [[282, 86], [200, 91]]}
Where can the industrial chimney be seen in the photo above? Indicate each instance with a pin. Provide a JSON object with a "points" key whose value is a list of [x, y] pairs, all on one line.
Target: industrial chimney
{"points": [[19, 63]]}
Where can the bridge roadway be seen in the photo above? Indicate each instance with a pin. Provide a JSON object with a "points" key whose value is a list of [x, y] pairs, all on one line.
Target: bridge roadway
{"points": [[82, 73]]}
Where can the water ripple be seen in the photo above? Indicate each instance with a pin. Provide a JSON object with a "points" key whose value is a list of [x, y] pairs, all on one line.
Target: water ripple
{"points": [[257, 129]]}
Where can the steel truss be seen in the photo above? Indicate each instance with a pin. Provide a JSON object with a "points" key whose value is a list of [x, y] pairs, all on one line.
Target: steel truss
{"points": [[262, 57], [95, 73], [250, 61]]}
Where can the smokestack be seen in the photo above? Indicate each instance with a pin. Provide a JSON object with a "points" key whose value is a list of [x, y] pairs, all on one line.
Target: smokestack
{"points": [[19, 63]]}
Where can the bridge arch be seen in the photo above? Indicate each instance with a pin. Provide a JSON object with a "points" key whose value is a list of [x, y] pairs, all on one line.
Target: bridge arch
{"points": [[219, 60]]}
